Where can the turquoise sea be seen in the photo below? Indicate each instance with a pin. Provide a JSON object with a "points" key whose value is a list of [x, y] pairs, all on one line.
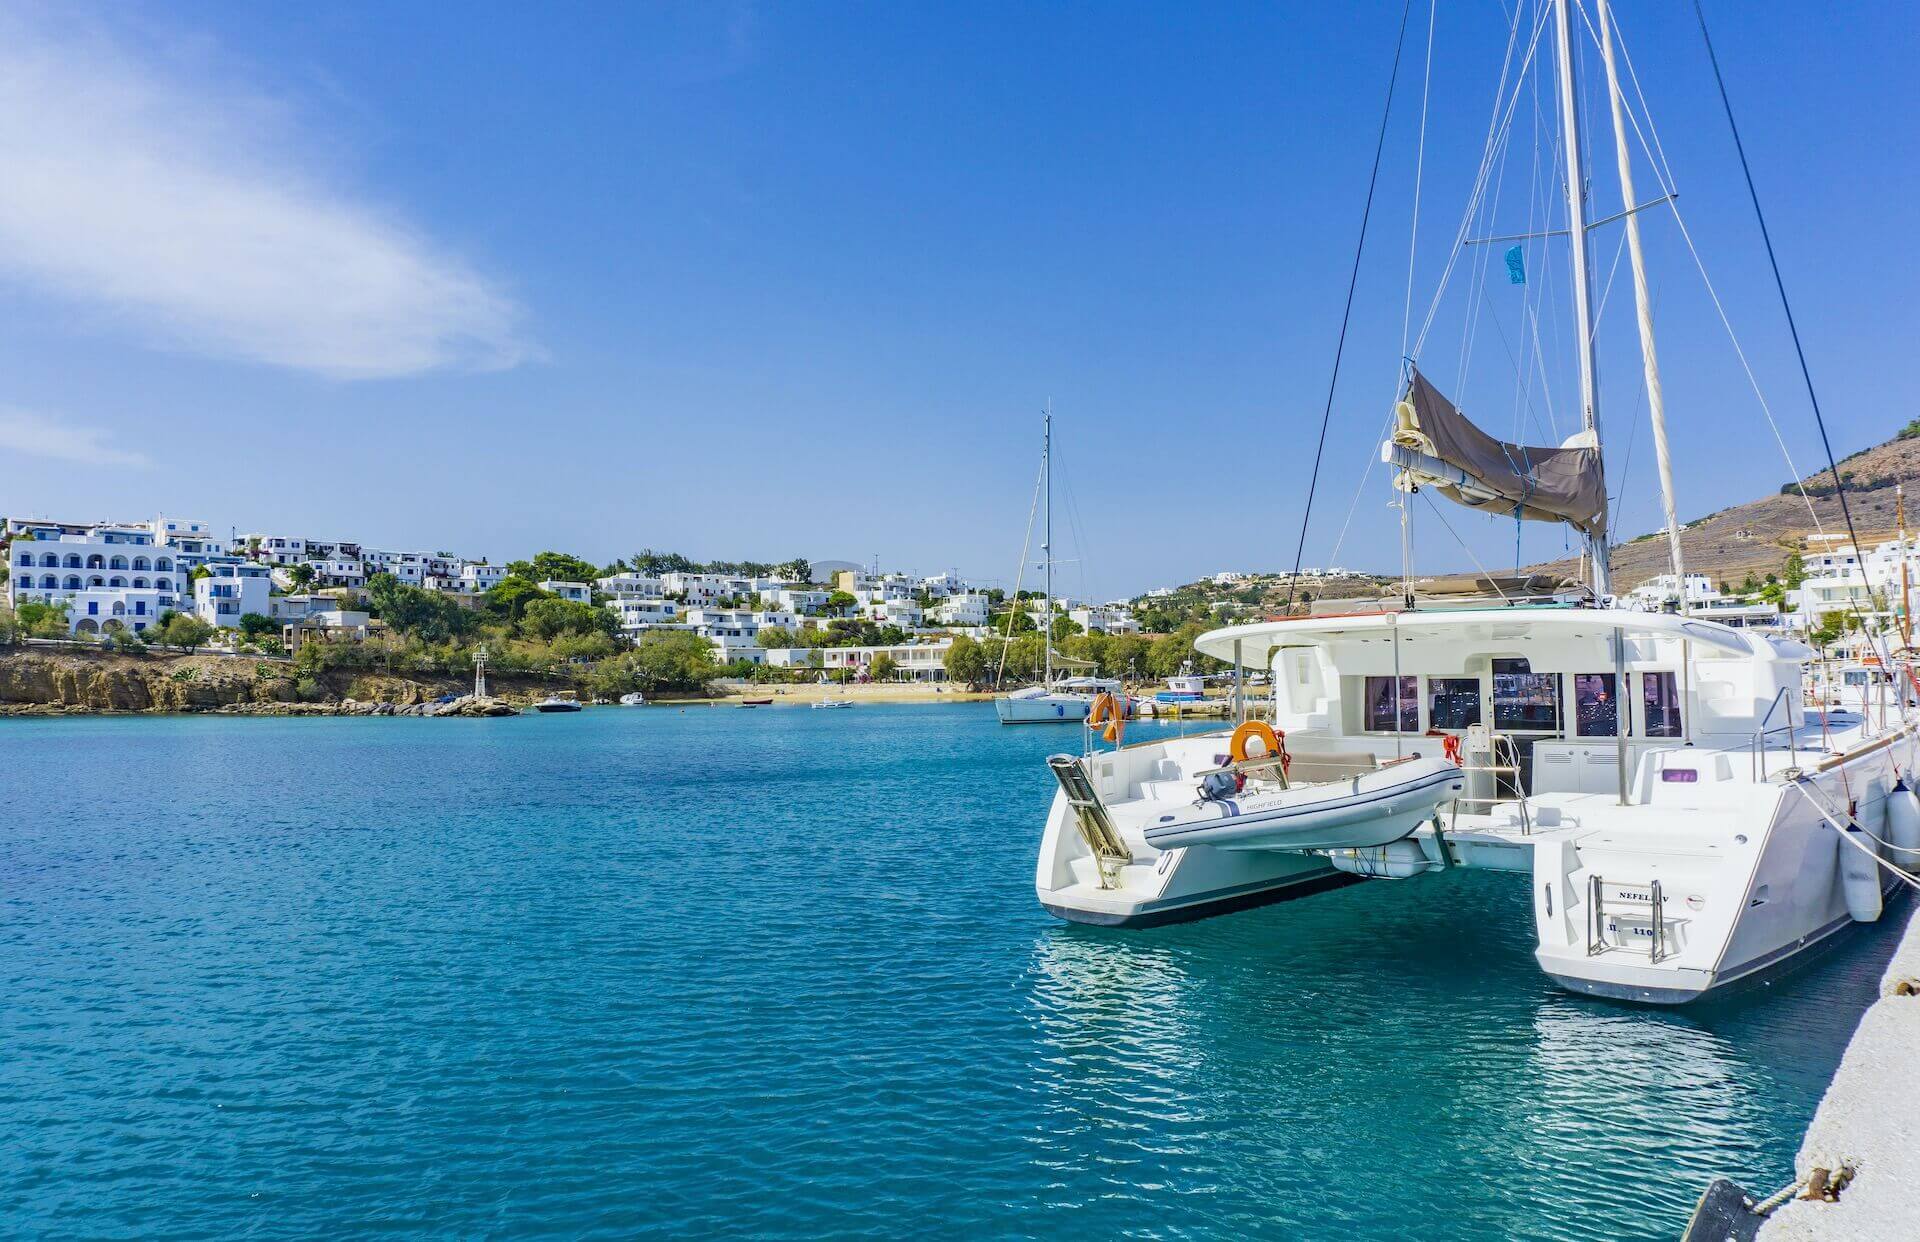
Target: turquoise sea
{"points": [[780, 973]]}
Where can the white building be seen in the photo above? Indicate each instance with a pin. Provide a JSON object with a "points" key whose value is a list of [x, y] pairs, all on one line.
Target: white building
{"points": [[1816, 597], [577, 592], [1654, 593], [914, 661], [945, 586], [228, 592], [1105, 619], [192, 543], [806, 601], [639, 615], [478, 577], [904, 613], [109, 577], [631, 585], [965, 609]]}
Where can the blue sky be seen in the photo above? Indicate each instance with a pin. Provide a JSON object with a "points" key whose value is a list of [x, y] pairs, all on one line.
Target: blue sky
{"points": [[757, 281]]}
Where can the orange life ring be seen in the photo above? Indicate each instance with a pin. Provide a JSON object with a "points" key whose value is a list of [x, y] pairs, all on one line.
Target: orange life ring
{"points": [[1106, 709], [1274, 743]]}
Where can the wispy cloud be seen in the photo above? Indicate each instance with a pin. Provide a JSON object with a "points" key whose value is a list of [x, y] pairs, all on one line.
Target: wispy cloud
{"points": [[23, 431], [194, 214]]}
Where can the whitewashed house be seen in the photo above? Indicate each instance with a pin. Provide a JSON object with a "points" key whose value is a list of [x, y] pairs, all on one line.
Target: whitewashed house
{"points": [[228, 592], [576, 592], [964, 609]]}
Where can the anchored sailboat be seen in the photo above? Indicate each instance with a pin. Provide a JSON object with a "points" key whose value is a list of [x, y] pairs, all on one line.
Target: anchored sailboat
{"points": [[1066, 700], [1683, 824]]}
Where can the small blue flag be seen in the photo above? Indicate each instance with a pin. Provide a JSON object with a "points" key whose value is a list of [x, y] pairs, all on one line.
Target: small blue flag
{"points": [[1516, 266]]}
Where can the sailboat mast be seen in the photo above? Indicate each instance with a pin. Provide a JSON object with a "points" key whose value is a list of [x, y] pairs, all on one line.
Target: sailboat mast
{"points": [[1046, 545], [1582, 284], [1642, 303]]}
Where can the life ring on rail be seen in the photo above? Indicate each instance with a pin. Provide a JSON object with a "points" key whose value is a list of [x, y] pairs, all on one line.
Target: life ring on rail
{"points": [[1271, 743], [1450, 745], [1107, 709]]}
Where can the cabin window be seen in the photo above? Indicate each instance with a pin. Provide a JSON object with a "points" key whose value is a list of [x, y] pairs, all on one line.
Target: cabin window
{"points": [[1596, 705], [1660, 704], [1453, 702], [1523, 700], [1382, 694]]}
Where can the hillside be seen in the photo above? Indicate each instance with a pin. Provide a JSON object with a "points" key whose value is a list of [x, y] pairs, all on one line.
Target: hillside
{"points": [[1758, 536]]}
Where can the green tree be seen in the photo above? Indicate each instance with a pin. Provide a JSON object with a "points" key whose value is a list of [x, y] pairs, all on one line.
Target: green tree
{"points": [[838, 603], [967, 661], [426, 615], [1065, 627], [510, 597], [300, 577], [549, 618], [255, 626], [44, 620], [555, 567], [188, 633], [799, 569], [1795, 571], [199, 572], [647, 561], [882, 668], [772, 636]]}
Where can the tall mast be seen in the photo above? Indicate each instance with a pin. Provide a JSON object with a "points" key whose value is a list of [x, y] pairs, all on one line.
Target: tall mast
{"points": [[1582, 286], [1642, 303], [1046, 545], [1906, 588]]}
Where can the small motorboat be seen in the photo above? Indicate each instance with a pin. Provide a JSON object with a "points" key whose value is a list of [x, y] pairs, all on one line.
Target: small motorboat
{"points": [[557, 703], [635, 699], [756, 702], [833, 703]]}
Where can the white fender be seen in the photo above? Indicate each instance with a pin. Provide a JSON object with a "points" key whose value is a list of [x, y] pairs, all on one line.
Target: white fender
{"points": [[1903, 827], [1860, 876]]}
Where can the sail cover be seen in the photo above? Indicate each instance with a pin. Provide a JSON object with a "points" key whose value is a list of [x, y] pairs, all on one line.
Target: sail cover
{"points": [[1562, 484]]}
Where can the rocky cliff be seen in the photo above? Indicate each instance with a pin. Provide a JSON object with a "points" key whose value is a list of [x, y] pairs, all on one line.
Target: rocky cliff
{"points": [[50, 680]]}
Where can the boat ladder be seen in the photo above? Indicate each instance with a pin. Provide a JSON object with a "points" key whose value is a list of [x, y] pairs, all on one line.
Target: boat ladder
{"points": [[1637, 902], [1090, 816]]}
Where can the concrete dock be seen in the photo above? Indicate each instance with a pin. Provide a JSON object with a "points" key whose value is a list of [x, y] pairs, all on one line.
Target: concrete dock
{"points": [[1866, 1133]]}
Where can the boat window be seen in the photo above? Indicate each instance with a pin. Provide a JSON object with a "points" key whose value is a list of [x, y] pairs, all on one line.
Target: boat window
{"points": [[1660, 704], [1453, 702], [1380, 704], [1524, 700], [1596, 705]]}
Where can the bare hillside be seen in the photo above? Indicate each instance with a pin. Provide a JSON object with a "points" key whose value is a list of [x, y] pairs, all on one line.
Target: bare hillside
{"points": [[1757, 536]]}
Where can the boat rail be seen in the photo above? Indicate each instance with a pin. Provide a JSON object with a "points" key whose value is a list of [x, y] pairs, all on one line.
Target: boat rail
{"points": [[1495, 768], [1757, 751]]}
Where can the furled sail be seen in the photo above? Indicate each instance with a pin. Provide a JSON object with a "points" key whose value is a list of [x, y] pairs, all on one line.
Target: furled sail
{"points": [[1435, 445]]}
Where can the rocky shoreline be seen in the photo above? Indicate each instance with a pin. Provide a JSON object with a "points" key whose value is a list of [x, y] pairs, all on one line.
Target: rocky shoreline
{"points": [[75, 683]]}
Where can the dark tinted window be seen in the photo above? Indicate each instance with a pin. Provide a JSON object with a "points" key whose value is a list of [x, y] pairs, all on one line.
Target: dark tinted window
{"points": [[1525, 700], [1453, 702], [1596, 705], [1380, 704], [1660, 704]]}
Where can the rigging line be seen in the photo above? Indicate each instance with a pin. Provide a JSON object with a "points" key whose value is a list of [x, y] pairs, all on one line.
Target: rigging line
{"points": [[1528, 408], [1793, 328], [1493, 126], [1346, 315], [1496, 126], [1464, 548], [1419, 175]]}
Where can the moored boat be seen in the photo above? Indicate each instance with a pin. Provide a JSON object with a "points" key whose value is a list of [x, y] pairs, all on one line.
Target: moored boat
{"points": [[558, 703]]}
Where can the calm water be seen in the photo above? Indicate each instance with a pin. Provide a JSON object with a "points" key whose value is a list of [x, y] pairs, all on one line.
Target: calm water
{"points": [[781, 973]]}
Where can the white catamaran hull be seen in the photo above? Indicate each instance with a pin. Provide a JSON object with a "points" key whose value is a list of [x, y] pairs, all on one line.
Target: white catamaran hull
{"points": [[1043, 708]]}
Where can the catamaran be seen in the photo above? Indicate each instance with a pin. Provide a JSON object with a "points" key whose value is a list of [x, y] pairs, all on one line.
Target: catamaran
{"points": [[1683, 823]]}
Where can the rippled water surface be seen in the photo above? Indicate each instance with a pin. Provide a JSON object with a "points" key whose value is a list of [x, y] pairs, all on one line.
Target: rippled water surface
{"points": [[781, 973]]}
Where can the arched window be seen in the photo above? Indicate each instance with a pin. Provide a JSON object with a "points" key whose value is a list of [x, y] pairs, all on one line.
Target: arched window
{"points": [[118, 562], [96, 562], [96, 581], [48, 582], [73, 560], [140, 562], [163, 584], [119, 609], [139, 584], [117, 582], [163, 563], [73, 582]]}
